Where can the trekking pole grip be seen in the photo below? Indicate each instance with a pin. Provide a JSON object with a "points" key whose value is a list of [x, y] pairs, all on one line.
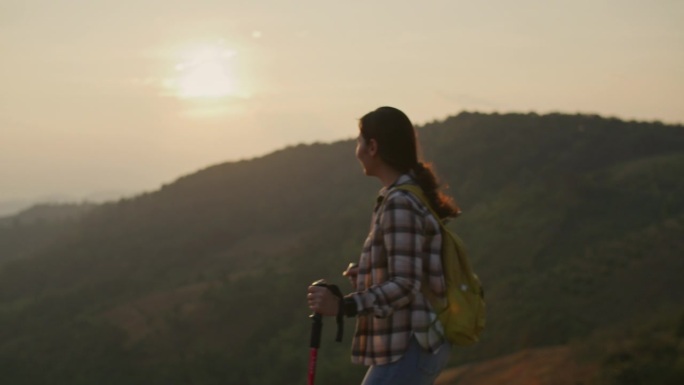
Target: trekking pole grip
{"points": [[316, 322], [317, 318], [316, 328]]}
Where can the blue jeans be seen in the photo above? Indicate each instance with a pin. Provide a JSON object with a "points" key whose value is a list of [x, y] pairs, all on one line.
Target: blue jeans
{"points": [[415, 367]]}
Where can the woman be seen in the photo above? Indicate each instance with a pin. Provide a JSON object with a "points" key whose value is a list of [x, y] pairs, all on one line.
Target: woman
{"points": [[397, 333]]}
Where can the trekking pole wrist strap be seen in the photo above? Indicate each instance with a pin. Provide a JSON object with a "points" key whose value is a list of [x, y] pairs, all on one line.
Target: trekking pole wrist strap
{"points": [[340, 311]]}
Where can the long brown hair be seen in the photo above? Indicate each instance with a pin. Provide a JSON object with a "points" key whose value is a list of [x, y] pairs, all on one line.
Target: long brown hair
{"points": [[398, 147]]}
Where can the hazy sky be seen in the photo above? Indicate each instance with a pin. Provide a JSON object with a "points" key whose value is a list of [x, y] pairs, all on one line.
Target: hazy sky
{"points": [[125, 95]]}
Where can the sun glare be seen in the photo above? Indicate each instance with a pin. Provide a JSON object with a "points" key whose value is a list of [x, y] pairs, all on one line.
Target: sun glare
{"points": [[205, 73]]}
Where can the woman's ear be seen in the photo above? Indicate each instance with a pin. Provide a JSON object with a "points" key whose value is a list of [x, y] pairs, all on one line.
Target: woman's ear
{"points": [[372, 147]]}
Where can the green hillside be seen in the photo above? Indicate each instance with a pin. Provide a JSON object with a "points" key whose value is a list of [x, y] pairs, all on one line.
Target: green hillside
{"points": [[574, 224]]}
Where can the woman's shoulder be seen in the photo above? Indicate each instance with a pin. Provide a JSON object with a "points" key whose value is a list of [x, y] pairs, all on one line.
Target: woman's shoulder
{"points": [[397, 197], [407, 208]]}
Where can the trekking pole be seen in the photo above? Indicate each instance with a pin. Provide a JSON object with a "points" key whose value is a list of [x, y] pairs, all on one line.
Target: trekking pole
{"points": [[316, 328]]}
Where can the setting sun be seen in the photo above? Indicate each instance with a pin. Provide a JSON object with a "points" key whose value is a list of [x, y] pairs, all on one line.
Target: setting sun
{"points": [[205, 73]]}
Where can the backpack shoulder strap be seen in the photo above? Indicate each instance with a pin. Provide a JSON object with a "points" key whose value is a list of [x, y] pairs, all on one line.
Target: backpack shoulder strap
{"points": [[447, 234]]}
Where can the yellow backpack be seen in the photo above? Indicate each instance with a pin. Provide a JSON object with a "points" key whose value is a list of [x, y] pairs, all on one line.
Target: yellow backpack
{"points": [[463, 317]]}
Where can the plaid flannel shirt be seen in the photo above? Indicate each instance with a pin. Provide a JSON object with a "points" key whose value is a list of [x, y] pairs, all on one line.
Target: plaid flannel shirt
{"points": [[401, 253]]}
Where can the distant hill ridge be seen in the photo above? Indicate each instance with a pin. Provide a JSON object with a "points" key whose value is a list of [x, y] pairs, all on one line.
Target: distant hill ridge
{"points": [[49, 212], [573, 222]]}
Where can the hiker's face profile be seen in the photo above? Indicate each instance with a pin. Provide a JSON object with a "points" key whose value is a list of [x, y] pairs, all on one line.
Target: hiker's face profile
{"points": [[364, 153]]}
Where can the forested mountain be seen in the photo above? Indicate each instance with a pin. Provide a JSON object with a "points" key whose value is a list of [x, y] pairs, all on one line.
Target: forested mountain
{"points": [[37, 227], [575, 224]]}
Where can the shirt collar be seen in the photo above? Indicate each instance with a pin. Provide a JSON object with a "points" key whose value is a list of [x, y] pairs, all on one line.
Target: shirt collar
{"points": [[403, 179]]}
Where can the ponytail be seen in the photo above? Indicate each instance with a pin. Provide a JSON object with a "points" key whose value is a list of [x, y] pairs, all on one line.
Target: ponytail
{"points": [[442, 204]]}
